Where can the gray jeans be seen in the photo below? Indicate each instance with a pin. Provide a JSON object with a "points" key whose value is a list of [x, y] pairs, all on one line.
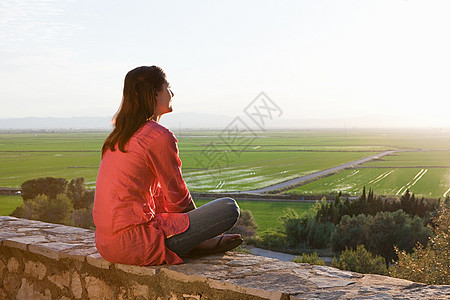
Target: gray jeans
{"points": [[205, 222]]}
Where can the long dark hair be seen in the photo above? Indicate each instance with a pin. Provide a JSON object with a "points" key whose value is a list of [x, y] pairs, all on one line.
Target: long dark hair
{"points": [[138, 105]]}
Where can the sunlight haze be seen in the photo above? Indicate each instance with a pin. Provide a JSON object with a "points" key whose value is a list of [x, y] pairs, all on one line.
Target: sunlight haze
{"points": [[315, 59]]}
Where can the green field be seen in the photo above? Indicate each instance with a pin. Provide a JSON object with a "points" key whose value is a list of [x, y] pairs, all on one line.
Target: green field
{"points": [[212, 161], [70, 155], [427, 174], [8, 204], [266, 213]]}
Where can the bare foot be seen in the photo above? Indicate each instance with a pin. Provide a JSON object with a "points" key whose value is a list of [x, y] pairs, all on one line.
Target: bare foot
{"points": [[212, 243]]}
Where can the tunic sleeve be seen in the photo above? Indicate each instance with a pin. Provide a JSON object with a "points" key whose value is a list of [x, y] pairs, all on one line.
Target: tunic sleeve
{"points": [[173, 195]]}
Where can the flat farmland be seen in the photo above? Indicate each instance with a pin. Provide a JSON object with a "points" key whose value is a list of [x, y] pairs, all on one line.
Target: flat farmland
{"points": [[425, 173], [257, 169], [219, 161], [267, 213], [69, 155]]}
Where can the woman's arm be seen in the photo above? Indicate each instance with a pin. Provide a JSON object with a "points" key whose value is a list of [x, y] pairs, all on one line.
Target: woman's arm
{"points": [[163, 153], [190, 207]]}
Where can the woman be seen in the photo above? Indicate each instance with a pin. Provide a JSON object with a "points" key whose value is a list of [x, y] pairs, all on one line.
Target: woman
{"points": [[143, 211]]}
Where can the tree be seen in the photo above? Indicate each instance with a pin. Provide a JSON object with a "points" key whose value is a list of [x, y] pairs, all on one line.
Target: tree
{"points": [[360, 260], [380, 233], [246, 225], [428, 264], [43, 208], [48, 186], [77, 192]]}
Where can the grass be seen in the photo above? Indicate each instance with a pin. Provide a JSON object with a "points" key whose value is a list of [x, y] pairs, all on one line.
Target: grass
{"points": [[8, 204], [266, 213], [427, 174], [215, 161]]}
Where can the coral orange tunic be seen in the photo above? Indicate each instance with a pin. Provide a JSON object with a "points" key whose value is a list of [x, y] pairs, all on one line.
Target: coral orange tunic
{"points": [[139, 199]]}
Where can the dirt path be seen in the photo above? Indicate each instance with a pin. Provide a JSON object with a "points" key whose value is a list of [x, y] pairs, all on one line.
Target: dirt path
{"points": [[298, 180]]}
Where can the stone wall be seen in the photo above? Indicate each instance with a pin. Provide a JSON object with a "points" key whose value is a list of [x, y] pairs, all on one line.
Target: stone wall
{"points": [[48, 261]]}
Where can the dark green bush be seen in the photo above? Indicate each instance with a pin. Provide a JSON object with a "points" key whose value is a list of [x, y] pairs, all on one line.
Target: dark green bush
{"points": [[48, 186], [82, 218], [80, 196], [306, 230], [319, 234], [273, 240], [351, 232], [380, 233], [430, 264], [245, 225], [53, 210], [398, 228], [371, 204], [312, 258], [361, 261]]}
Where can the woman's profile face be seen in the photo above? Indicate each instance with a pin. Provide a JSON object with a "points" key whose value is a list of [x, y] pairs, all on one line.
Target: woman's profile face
{"points": [[164, 100]]}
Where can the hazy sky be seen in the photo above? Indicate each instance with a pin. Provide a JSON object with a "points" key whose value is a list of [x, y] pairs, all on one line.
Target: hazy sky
{"points": [[315, 59]]}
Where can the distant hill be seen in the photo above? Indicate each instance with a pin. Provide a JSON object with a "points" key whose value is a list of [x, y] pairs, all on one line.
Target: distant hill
{"points": [[56, 123], [185, 121], [173, 121]]}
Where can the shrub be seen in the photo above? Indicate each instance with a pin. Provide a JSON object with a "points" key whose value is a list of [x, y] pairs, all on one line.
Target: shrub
{"points": [[395, 229], [312, 258], [361, 261], [371, 204], [295, 227], [430, 264], [80, 196], [380, 233], [82, 218], [43, 208], [319, 234], [306, 230], [245, 225], [48, 186], [273, 240], [350, 232]]}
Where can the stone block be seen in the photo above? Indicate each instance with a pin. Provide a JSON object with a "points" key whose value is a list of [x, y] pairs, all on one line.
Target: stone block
{"points": [[285, 282], [50, 250], [3, 294], [336, 273], [4, 235], [35, 269], [67, 230], [27, 291], [178, 276], [13, 265], [381, 296], [327, 282], [98, 261], [275, 295], [27, 230], [149, 271], [140, 290], [76, 285], [22, 242], [191, 297], [2, 269], [78, 254], [97, 288], [11, 283], [60, 280]]}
